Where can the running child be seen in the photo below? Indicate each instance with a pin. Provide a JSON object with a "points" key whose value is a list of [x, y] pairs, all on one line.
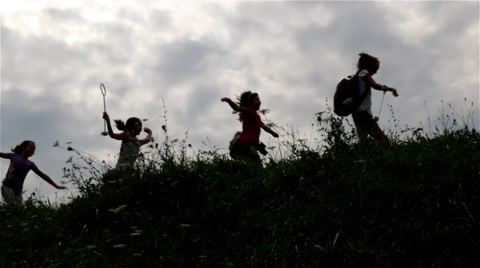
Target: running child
{"points": [[247, 107], [364, 122], [12, 185]]}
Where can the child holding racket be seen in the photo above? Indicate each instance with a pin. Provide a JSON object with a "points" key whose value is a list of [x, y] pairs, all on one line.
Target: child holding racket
{"points": [[12, 185], [249, 140], [364, 122], [130, 145]]}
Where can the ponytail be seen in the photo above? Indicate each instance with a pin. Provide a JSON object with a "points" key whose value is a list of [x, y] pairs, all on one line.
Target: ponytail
{"points": [[19, 148], [128, 125], [120, 125]]}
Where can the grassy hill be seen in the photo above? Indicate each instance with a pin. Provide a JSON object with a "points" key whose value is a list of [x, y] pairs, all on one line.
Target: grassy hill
{"points": [[412, 203]]}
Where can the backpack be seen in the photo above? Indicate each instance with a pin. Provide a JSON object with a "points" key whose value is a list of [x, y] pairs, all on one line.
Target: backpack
{"points": [[346, 99]]}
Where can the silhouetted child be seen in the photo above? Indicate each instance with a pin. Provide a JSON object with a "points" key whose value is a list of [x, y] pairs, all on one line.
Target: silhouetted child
{"points": [[364, 122], [130, 143], [249, 140], [12, 185]]}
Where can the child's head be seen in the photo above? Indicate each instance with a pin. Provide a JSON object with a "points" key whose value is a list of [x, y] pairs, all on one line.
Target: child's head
{"points": [[133, 124], [26, 146], [248, 99], [251, 99], [368, 62]]}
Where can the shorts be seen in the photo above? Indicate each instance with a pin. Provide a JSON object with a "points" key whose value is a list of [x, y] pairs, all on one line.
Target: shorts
{"points": [[11, 197], [364, 119]]}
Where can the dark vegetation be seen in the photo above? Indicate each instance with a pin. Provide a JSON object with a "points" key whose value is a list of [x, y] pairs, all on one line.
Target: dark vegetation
{"points": [[412, 203]]}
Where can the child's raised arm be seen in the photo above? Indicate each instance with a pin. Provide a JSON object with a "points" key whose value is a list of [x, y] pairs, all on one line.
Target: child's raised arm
{"points": [[232, 104], [117, 136], [147, 138]]}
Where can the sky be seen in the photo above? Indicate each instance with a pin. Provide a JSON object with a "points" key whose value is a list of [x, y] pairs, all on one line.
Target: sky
{"points": [[175, 60]]}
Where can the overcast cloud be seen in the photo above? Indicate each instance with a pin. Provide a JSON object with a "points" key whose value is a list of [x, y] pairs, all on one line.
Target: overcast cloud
{"points": [[189, 54]]}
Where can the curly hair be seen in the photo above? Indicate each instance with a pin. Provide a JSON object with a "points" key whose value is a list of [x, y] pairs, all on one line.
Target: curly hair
{"points": [[367, 61], [244, 100]]}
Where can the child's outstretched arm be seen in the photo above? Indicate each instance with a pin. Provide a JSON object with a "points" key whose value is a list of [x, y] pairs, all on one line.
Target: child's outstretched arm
{"points": [[5, 155], [232, 104], [377, 86], [147, 138], [117, 136], [269, 130], [46, 178]]}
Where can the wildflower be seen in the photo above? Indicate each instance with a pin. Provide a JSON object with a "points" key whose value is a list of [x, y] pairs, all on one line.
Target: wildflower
{"points": [[138, 233], [118, 209]]}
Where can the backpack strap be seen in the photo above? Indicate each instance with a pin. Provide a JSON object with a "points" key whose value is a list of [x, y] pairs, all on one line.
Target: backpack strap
{"points": [[361, 97]]}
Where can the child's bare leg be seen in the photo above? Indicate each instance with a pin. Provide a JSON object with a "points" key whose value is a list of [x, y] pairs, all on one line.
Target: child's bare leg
{"points": [[362, 132], [254, 153], [378, 134]]}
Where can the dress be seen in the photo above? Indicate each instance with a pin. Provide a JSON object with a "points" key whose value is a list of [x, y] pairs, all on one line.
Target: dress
{"points": [[128, 153]]}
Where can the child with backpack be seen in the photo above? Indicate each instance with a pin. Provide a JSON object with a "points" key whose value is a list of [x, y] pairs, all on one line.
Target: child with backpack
{"points": [[12, 185], [248, 143], [363, 119]]}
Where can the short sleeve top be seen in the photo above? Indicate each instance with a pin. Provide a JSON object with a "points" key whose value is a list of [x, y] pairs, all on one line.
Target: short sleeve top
{"points": [[251, 125], [17, 172]]}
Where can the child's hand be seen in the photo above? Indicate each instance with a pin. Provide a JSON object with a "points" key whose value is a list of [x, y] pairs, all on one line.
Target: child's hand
{"points": [[394, 92], [347, 101], [147, 130], [275, 134], [105, 116], [225, 99]]}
